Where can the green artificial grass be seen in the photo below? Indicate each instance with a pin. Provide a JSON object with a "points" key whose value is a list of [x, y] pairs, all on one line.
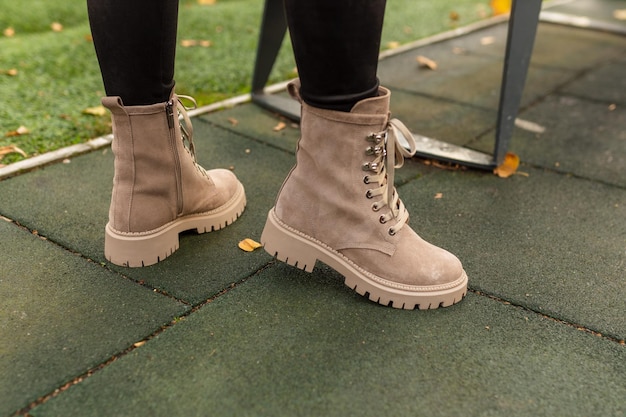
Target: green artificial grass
{"points": [[58, 77]]}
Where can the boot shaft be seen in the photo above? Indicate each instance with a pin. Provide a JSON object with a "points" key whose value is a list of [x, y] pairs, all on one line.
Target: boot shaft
{"points": [[328, 181], [145, 185]]}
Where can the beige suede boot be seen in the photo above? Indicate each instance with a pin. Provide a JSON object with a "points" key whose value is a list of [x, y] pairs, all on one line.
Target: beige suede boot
{"points": [[158, 189], [339, 206]]}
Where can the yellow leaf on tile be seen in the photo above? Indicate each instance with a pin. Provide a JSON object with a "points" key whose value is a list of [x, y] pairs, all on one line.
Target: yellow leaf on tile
{"points": [[619, 14], [426, 62], [280, 126], [249, 245], [508, 167]]}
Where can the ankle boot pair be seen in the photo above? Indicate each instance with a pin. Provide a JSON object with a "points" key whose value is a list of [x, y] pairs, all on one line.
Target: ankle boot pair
{"points": [[338, 204]]}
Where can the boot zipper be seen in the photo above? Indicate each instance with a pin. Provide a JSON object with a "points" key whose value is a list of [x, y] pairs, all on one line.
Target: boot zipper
{"points": [[171, 123]]}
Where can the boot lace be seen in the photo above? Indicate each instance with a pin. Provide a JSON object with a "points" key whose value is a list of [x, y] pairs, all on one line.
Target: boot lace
{"points": [[389, 153], [186, 128]]}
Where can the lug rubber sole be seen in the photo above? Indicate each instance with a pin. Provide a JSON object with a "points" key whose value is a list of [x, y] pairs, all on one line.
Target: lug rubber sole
{"points": [[302, 251], [148, 248]]}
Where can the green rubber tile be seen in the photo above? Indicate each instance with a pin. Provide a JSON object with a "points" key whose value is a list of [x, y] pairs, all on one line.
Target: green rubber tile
{"points": [[61, 315], [581, 137], [68, 203], [573, 49], [290, 344], [441, 119], [598, 10], [469, 68], [551, 242], [468, 77], [251, 121], [605, 83]]}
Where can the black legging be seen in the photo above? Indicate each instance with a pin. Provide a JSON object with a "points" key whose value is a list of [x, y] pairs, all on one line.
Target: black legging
{"points": [[336, 45]]}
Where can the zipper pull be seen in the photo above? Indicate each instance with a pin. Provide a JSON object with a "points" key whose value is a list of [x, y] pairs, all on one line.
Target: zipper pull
{"points": [[169, 110]]}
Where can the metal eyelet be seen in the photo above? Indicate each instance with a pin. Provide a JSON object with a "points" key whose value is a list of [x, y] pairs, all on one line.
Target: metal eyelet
{"points": [[382, 220], [366, 179], [370, 166], [392, 231], [375, 207], [375, 137], [368, 194]]}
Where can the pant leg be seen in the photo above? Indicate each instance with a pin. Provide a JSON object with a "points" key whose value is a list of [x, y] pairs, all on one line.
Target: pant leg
{"points": [[336, 44], [135, 42]]}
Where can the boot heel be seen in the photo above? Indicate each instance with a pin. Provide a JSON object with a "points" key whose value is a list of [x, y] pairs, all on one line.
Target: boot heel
{"points": [[286, 245], [140, 250]]}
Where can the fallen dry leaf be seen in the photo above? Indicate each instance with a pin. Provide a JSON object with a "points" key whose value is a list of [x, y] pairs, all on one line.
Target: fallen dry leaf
{"points": [[56, 27], [249, 245], [10, 72], [188, 43], [233, 121], [22, 130], [438, 196], [95, 111], [487, 40], [619, 14], [454, 16], [529, 126], [508, 166], [207, 2], [500, 6], [393, 44], [426, 62], [280, 126], [5, 150], [9, 32], [139, 344]]}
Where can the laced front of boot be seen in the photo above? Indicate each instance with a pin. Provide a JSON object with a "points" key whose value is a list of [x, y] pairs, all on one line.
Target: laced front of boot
{"points": [[388, 150], [186, 127]]}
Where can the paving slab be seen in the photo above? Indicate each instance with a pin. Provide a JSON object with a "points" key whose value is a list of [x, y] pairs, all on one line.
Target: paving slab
{"points": [[581, 137], [61, 315], [598, 10], [553, 243], [289, 343], [605, 83], [559, 55]]}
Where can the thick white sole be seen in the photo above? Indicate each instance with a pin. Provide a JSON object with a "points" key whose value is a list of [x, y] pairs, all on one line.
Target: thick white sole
{"points": [[302, 251], [148, 248]]}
